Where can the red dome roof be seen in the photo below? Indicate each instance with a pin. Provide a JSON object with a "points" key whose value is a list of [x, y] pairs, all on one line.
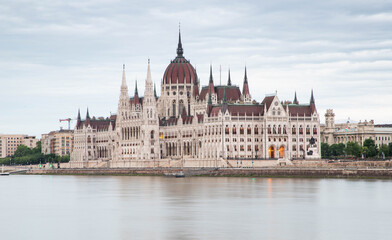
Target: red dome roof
{"points": [[179, 70]]}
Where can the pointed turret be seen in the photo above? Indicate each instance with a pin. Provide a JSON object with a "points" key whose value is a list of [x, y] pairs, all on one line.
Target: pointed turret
{"points": [[312, 98], [180, 51], [245, 88], [79, 118], [312, 103], [87, 122], [148, 80], [149, 101], [124, 81], [229, 80], [211, 88], [136, 92], [136, 95], [123, 102], [295, 98]]}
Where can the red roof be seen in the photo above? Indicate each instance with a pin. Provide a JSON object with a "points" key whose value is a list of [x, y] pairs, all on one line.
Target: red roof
{"points": [[136, 100], [233, 93], [246, 109], [179, 70], [99, 124], [268, 101], [300, 110]]}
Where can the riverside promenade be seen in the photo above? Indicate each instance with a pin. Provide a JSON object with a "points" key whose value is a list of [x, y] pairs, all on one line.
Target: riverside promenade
{"points": [[316, 169]]}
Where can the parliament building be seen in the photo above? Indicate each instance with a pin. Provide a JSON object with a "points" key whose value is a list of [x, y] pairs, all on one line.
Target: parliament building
{"points": [[196, 126]]}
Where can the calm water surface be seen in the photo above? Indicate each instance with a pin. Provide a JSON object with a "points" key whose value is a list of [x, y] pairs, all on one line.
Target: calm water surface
{"points": [[109, 207]]}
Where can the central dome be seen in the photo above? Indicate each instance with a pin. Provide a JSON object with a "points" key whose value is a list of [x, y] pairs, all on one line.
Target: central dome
{"points": [[180, 70]]}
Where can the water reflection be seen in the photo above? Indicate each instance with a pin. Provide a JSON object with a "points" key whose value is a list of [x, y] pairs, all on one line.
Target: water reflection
{"points": [[103, 207]]}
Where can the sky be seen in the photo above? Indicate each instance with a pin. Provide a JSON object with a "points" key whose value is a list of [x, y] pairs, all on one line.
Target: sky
{"points": [[59, 56]]}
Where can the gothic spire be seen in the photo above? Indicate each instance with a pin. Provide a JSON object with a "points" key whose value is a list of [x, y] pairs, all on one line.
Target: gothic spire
{"points": [[124, 81], [229, 80], [136, 92], [246, 77], [312, 98], [245, 88], [149, 72], [211, 83], [87, 114], [295, 98], [180, 51], [79, 115], [211, 79]]}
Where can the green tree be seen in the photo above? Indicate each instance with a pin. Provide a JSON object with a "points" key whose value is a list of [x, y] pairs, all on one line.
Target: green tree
{"points": [[390, 149], [325, 150], [353, 149], [383, 149], [371, 148], [22, 150], [336, 149], [38, 148]]}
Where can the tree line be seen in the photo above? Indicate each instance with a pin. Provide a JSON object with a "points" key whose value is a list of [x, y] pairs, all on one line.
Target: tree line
{"points": [[353, 149], [25, 156]]}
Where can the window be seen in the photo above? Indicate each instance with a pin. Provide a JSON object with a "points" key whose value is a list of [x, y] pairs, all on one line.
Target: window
{"points": [[241, 130], [256, 130], [249, 130], [234, 130]]}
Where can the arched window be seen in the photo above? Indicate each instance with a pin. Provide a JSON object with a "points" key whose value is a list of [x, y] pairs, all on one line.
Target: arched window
{"points": [[152, 134]]}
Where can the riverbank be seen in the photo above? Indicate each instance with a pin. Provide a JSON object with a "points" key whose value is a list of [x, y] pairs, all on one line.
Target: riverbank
{"points": [[227, 172]]}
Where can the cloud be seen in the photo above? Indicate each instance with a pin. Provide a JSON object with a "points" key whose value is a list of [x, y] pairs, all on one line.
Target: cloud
{"points": [[57, 56]]}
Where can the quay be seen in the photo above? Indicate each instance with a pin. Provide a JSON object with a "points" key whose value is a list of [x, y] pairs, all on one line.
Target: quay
{"points": [[227, 172]]}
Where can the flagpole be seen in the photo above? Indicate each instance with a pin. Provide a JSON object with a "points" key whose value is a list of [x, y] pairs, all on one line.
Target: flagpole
{"points": [[220, 75]]}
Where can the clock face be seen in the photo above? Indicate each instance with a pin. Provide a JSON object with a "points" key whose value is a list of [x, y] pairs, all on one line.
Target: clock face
{"points": [[276, 103]]}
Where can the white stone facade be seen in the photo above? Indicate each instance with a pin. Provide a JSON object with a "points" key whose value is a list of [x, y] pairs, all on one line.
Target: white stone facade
{"points": [[210, 127]]}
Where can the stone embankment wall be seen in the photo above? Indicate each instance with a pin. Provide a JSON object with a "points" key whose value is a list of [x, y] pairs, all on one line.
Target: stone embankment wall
{"points": [[341, 164], [229, 172]]}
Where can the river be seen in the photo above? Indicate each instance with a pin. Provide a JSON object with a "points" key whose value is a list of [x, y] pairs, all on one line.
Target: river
{"points": [[130, 207]]}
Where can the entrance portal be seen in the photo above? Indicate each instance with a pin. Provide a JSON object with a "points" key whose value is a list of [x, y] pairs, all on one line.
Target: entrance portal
{"points": [[281, 152], [271, 151]]}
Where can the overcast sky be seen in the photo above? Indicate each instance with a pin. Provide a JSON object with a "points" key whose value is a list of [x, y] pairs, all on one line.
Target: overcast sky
{"points": [[58, 56]]}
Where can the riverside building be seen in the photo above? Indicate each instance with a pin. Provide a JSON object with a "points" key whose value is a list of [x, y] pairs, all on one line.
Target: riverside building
{"points": [[194, 125], [10, 142], [57, 142], [333, 133]]}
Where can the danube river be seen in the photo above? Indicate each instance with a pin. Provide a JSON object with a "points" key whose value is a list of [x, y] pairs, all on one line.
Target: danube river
{"points": [[111, 207]]}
